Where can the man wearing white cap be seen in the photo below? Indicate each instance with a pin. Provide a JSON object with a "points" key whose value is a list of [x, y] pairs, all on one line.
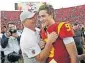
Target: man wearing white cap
{"points": [[30, 40]]}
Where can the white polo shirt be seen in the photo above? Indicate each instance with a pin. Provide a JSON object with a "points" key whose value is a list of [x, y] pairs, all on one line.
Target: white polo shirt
{"points": [[13, 45], [29, 43]]}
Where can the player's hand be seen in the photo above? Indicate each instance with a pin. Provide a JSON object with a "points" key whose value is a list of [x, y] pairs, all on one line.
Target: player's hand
{"points": [[42, 44], [52, 37]]}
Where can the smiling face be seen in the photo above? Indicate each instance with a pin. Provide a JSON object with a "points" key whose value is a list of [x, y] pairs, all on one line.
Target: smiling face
{"points": [[30, 22], [45, 15], [44, 18]]}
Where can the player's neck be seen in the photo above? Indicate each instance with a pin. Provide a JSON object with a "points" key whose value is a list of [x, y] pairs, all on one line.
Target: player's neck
{"points": [[51, 22]]}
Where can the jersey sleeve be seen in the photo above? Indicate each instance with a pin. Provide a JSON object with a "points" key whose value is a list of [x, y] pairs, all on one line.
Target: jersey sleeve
{"points": [[66, 31], [68, 40]]}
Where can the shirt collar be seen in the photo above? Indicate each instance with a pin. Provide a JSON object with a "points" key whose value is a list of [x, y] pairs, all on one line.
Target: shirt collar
{"points": [[29, 30]]}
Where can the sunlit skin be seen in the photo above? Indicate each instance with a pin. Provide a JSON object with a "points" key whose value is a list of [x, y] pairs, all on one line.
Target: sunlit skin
{"points": [[45, 18]]}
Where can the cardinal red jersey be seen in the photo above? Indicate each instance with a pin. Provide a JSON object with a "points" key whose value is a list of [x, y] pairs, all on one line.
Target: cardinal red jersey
{"points": [[58, 53]]}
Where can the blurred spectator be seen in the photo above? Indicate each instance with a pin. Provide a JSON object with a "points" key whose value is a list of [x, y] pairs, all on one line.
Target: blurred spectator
{"points": [[2, 49], [78, 38], [19, 31], [11, 25], [1, 52], [12, 44], [0, 46], [83, 35], [4, 29], [10, 41]]}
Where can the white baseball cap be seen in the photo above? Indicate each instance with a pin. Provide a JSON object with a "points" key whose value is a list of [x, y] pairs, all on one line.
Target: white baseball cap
{"points": [[26, 14]]}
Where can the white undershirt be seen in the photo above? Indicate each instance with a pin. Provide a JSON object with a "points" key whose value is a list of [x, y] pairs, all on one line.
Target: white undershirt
{"points": [[68, 40]]}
